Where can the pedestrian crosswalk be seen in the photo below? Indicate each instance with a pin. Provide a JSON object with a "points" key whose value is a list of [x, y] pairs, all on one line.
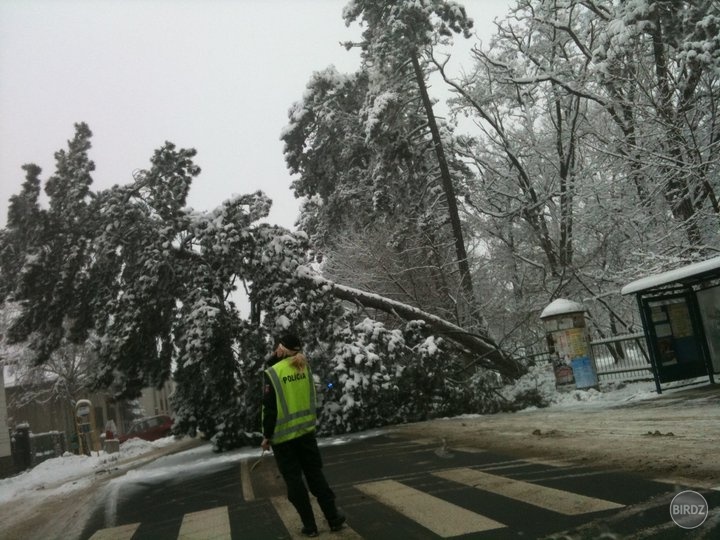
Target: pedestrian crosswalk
{"points": [[556, 500], [430, 511], [124, 532], [427, 509], [210, 524], [291, 520]]}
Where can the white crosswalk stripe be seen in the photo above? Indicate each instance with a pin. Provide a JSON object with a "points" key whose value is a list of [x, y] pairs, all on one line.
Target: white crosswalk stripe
{"points": [[563, 502], [213, 524], [441, 517], [291, 520], [123, 532]]}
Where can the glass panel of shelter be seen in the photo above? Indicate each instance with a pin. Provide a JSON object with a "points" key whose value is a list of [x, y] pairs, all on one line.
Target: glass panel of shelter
{"points": [[677, 351], [709, 304]]}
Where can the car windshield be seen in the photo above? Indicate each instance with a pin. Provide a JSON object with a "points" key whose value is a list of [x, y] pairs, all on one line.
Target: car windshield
{"points": [[135, 428]]}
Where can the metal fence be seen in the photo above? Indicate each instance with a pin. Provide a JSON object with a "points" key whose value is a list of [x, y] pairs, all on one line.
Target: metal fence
{"points": [[622, 358], [46, 446], [29, 449], [619, 358]]}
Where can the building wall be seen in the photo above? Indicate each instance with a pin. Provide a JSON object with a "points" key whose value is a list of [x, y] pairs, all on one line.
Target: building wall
{"points": [[58, 415], [157, 401]]}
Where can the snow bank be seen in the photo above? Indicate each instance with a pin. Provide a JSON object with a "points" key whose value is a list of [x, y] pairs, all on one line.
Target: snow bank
{"points": [[541, 378], [71, 472]]}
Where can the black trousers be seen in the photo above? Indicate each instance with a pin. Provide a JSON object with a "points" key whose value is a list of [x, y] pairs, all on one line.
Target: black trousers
{"points": [[298, 457]]}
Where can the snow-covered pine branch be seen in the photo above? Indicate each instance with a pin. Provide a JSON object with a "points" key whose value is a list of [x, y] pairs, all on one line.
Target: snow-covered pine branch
{"points": [[488, 353]]}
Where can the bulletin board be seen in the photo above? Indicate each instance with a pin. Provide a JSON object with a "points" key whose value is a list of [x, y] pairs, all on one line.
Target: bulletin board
{"points": [[678, 354]]}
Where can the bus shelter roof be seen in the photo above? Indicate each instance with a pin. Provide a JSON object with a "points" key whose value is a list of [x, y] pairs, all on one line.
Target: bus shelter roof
{"points": [[690, 273]]}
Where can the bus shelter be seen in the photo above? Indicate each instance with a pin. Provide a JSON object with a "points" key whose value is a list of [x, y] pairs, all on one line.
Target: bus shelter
{"points": [[680, 312]]}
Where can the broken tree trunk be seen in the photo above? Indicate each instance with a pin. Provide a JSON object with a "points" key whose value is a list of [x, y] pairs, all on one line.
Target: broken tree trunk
{"points": [[486, 352]]}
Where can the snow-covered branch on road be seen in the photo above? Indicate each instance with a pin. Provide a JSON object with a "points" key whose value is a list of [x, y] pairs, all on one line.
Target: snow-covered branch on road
{"points": [[490, 356]]}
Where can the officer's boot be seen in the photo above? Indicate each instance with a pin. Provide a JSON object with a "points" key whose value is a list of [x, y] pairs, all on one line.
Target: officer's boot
{"points": [[334, 518], [310, 530], [309, 525], [302, 505]]}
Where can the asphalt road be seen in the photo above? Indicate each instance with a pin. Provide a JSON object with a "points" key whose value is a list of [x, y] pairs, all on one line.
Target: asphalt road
{"points": [[393, 488]]}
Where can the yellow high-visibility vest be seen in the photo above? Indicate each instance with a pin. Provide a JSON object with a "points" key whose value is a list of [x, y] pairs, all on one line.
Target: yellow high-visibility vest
{"points": [[295, 398]]}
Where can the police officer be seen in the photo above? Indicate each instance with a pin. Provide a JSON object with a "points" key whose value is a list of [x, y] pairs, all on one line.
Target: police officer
{"points": [[289, 418]]}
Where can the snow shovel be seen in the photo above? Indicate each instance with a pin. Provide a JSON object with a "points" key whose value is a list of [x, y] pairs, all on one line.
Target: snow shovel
{"points": [[255, 465]]}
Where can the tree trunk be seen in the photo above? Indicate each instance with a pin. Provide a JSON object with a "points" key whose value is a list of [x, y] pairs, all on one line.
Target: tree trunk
{"points": [[462, 260], [489, 354]]}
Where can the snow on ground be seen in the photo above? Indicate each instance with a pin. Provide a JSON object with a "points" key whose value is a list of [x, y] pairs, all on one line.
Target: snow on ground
{"points": [[71, 472], [202, 459], [609, 394]]}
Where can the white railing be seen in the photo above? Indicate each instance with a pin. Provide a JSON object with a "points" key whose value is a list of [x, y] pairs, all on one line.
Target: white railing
{"points": [[622, 358]]}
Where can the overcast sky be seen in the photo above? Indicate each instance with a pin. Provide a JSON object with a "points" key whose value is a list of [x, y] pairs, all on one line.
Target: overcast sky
{"points": [[215, 75]]}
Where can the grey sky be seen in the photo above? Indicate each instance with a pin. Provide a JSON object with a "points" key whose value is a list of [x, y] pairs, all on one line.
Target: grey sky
{"points": [[215, 75]]}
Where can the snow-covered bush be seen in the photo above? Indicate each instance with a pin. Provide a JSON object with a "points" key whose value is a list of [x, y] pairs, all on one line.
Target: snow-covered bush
{"points": [[535, 388], [360, 378], [376, 376]]}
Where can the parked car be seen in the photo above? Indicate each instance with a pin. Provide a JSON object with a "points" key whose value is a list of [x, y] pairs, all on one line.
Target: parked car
{"points": [[149, 429]]}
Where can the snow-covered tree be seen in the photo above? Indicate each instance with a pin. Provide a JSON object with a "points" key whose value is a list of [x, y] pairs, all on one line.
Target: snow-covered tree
{"points": [[378, 169], [399, 111], [532, 156], [24, 223], [151, 293], [68, 375], [667, 108], [379, 192], [594, 158]]}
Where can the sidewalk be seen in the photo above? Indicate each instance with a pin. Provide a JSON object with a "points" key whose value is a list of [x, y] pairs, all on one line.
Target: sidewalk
{"points": [[670, 436]]}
